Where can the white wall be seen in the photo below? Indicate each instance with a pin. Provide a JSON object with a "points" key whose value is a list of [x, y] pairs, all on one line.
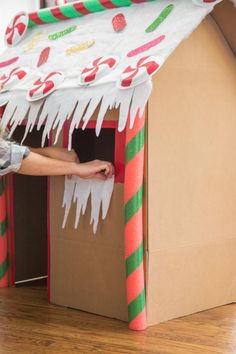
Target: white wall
{"points": [[8, 9]]}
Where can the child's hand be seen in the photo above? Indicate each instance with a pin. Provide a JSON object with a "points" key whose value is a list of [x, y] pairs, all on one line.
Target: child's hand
{"points": [[96, 169]]}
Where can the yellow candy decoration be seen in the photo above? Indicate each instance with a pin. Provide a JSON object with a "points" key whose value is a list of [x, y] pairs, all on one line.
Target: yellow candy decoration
{"points": [[79, 47]]}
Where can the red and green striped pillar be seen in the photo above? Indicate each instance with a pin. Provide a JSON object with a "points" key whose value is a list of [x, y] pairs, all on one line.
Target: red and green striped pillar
{"points": [[3, 237], [134, 233], [76, 9]]}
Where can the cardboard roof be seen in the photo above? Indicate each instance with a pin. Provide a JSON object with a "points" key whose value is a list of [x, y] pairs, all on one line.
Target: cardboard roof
{"points": [[99, 67]]}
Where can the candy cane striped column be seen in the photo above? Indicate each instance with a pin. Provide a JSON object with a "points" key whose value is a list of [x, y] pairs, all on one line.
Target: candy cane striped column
{"points": [[134, 242], [76, 9], [3, 237]]}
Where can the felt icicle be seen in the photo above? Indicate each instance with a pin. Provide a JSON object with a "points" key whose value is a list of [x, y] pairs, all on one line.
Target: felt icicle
{"points": [[78, 190]]}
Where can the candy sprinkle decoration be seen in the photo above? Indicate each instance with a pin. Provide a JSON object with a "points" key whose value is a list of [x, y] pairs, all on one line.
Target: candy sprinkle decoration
{"points": [[139, 72], [99, 68], [12, 78], [80, 47], [146, 46], [16, 29], [163, 15], [45, 85], [119, 22], [33, 41], [43, 58], [8, 62], [63, 33]]}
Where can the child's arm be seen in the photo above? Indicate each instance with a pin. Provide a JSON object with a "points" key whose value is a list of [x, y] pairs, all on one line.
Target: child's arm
{"points": [[57, 153], [38, 165]]}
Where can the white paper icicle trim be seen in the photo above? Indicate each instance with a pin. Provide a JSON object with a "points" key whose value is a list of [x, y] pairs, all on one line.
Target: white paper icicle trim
{"points": [[78, 190]]}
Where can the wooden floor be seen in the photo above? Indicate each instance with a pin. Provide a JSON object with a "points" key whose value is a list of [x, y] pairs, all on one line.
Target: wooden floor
{"points": [[28, 324]]}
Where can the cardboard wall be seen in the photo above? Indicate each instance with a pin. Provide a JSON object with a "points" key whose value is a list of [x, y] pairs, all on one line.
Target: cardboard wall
{"points": [[225, 16], [87, 271], [192, 179]]}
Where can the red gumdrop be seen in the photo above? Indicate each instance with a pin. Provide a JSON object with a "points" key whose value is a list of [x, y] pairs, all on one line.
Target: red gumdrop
{"points": [[119, 22]]}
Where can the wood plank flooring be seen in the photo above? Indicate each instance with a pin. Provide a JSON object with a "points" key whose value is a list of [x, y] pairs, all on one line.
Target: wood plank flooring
{"points": [[29, 324]]}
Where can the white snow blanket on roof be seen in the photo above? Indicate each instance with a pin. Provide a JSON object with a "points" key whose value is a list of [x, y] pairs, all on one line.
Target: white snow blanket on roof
{"points": [[78, 103]]}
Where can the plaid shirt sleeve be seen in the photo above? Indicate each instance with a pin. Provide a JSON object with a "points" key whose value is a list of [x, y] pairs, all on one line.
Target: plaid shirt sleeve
{"points": [[11, 155]]}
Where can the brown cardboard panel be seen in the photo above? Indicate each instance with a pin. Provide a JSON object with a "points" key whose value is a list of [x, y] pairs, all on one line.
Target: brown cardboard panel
{"points": [[191, 174], [225, 16], [191, 279], [30, 218], [87, 271]]}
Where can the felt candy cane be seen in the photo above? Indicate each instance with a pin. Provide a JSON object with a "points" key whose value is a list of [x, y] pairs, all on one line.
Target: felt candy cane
{"points": [[99, 68], [139, 72], [16, 29], [76, 9], [45, 85], [134, 245], [3, 237], [12, 78]]}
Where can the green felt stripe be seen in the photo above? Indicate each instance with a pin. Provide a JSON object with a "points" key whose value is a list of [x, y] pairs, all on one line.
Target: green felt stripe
{"points": [[4, 268], [136, 306], [134, 260], [1, 186], [124, 3], [3, 227], [47, 16], [163, 15], [134, 204], [93, 6], [31, 24], [70, 12], [134, 145]]}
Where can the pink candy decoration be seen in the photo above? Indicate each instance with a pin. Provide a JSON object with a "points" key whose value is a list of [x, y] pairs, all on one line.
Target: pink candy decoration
{"points": [[139, 72], [16, 29], [8, 62], [118, 22], [146, 46], [206, 3], [44, 86], [99, 68], [11, 79], [43, 58]]}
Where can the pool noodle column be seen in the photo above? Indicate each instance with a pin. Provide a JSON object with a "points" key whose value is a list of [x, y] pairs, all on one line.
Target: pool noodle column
{"points": [[76, 9], [134, 241], [3, 237]]}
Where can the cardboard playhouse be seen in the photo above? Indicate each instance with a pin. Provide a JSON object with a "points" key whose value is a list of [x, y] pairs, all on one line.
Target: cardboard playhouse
{"points": [[157, 241]]}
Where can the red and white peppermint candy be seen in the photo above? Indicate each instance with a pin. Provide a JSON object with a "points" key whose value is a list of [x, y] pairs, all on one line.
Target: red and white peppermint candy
{"points": [[139, 71], [16, 29], [99, 68], [11, 79], [206, 3], [45, 85]]}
